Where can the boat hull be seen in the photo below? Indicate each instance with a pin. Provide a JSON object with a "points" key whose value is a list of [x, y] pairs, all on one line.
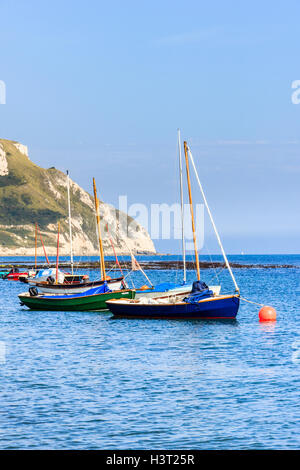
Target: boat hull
{"points": [[75, 289], [93, 302], [64, 289], [15, 276], [223, 307]]}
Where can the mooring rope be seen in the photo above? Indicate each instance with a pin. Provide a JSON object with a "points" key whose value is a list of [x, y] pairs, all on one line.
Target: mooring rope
{"points": [[251, 302]]}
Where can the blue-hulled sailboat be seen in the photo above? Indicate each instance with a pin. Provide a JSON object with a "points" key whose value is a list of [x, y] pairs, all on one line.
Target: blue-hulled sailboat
{"points": [[171, 288], [202, 302]]}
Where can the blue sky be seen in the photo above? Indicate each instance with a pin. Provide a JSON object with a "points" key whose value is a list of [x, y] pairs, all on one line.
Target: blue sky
{"points": [[101, 87]]}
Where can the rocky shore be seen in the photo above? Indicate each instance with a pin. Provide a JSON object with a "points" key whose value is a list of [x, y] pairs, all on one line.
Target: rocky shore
{"points": [[157, 265]]}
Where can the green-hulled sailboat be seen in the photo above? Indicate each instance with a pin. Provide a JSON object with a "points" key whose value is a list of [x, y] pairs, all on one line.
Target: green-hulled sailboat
{"points": [[87, 301]]}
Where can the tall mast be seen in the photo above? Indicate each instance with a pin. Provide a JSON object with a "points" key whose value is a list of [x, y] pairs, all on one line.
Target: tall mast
{"points": [[212, 222], [102, 264], [70, 221], [182, 211], [191, 208], [35, 247], [57, 253], [97, 234]]}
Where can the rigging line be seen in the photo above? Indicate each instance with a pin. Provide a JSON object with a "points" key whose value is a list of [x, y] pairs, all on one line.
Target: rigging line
{"points": [[251, 302], [124, 261], [57, 253], [212, 221], [111, 242], [70, 222], [216, 274], [125, 268], [135, 261], [122, 256], [97, 236], [101, 252], [138, 264], [182, 210], [186, 149], [38, 228], [35, 263], [129, 274]]}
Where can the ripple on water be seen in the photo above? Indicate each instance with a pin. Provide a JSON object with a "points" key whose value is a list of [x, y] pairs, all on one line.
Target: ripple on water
{"points": [[82, 380]]}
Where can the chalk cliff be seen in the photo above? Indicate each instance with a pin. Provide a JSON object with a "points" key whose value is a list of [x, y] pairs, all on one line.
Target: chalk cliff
{"points": [[30, 194]]}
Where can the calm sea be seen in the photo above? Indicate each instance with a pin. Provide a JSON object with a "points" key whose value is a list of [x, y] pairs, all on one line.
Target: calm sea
{"points": [[86, 381]]}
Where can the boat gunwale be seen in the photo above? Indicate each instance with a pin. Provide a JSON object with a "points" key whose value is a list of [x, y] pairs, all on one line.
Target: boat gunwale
{"points": [[51, 297], [72, 286], [136, 301]]}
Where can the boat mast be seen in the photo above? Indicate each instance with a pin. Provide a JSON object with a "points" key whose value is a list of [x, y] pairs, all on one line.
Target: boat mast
{"points": [[57, 253], [35, 247], [212, 222], [102, 264], [70, 221], [191, 208], [182, 212]]}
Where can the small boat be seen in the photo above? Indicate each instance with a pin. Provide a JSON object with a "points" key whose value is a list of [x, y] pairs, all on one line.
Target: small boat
{"points": [[76, 287], [42, 275], [48, 276], [197, 305], [202, 302], [14, 274], [92, 300]]}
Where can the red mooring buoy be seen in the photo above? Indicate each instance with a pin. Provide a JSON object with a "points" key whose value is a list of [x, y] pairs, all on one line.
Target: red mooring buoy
{"points": [[267, 313]]}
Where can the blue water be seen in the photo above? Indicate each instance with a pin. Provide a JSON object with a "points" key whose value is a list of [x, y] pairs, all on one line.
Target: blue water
{"points": [[85, 381], [243, 259]]}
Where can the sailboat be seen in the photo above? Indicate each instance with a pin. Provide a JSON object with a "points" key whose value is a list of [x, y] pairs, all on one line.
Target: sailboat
{"points": [[168, 287], [172, 288], [202, 302], [92, 299]]}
